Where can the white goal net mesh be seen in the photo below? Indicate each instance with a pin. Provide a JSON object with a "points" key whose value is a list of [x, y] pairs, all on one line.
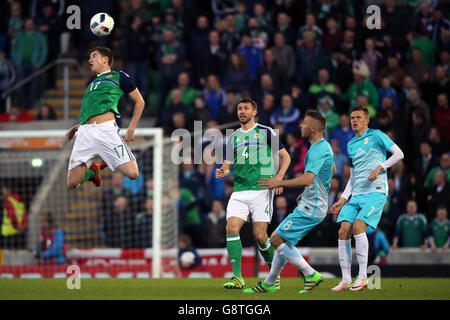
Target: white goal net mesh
{"points": [[107, 230]]}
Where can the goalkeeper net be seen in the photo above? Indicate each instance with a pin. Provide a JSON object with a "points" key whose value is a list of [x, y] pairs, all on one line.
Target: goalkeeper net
{"points": [[125, 228]]}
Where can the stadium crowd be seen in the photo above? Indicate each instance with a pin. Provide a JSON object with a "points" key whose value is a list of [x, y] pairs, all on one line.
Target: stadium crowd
{"points": [[193, 59]]}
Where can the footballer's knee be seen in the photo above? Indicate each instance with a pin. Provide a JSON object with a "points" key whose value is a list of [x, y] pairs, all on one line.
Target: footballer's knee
{"points": [[359, 227], [276, 240], [345, 232], [232, 228]]}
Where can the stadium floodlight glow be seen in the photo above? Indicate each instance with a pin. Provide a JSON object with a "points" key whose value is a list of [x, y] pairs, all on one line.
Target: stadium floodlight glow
{"points": [[37, 162]]}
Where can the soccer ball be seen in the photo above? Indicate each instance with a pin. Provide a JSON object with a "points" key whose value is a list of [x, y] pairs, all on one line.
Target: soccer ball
{"points": [[102, 24]]}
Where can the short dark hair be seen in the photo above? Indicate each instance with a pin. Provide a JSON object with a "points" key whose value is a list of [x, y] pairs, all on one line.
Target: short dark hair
{"points": [[247, 100], [105, 52], [316, 115], [361, 108]]}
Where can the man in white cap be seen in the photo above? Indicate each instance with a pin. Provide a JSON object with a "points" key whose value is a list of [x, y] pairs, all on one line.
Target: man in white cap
{"points": [[361, 86]]}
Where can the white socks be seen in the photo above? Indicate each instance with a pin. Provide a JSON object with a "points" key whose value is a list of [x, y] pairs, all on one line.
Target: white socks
{"points": [[291, 254], [278, 264], [362, 253], [345, 257]]}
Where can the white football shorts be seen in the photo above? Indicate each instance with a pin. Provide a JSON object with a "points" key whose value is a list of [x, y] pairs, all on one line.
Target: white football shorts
{"points": [[258, 203], [102, 140]]}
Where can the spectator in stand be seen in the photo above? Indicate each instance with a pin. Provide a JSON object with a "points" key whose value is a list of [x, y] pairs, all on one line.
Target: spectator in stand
{"points": [[189, 214], [306, 56], [393, 71], [444, 165], [332, 36], [404, 91], [411, 229], [266, 87], [284, 25], [435, 137], [144, 225], [135, 53], [214, 96], [340, 159], [378, 246], [372, 57], [393, 208], [281, 209], [51, 25], [214, 226], [176, 106], [253, 57], [444, 59], [50, 247], [15, 220], [296, 147], [326, 107], [241, 16], [15, 19], [310, 25], [198, 44], [427, 47], [438, 26], [259, 36], [46, 112], [284, 54], [29, 53], [417, 68], [136, 8], [263, 18], [439, 230], [170, 58], [115, 190], [274, 69], [361, 85], [228, 114], [117, 226], [188, 256], [188, 93], [7, 76], [425, 162], [287, 114], [230, 37], [435, 85], [438, 195], [17, 114], [237, 76], [441, 116], [323, 87], [343, 133], [264, 113], [201, 112], [387, 91]]}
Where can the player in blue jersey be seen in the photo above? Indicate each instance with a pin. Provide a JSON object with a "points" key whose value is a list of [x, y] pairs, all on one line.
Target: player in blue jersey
{"points": [[311, 210], [368, 189]]}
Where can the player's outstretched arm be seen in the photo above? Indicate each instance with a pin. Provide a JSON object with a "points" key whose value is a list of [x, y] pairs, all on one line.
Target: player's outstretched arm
{"points": [[304, 180], [139, 105], [285, 161]]}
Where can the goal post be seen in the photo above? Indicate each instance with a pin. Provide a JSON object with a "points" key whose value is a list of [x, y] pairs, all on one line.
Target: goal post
{"points": [[20, 156]]}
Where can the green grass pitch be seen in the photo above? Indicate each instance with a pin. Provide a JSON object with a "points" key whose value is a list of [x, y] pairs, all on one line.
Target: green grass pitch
{"points": [[211, 289]]}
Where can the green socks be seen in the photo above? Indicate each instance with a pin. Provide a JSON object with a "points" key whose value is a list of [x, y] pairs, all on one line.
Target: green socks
{"points": [[88, 175], [234, 248], [267, 251]]}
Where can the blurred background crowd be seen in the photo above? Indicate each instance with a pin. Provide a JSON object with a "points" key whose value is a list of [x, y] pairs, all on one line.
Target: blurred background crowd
{"points": [[192, 59]]}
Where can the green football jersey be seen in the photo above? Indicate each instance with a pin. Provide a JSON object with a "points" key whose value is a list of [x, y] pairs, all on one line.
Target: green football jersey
{"points": [[413, 229], [440, 231], [251, 153], [103, 94]]}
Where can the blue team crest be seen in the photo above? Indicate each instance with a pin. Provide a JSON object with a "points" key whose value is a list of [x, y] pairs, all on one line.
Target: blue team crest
{"points": [[366, 140]]}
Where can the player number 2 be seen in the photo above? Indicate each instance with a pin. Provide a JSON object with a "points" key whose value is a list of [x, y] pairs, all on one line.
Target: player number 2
{"points": [[117, 151]]}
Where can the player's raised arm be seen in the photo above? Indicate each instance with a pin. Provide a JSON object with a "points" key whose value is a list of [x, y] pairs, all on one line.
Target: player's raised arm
{"points": [[139, 104]]}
